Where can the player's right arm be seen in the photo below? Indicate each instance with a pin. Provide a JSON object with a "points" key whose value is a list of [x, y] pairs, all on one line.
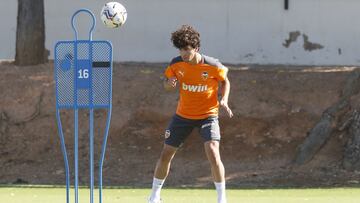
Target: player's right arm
{"points": [[170, 79], [170, 83]]}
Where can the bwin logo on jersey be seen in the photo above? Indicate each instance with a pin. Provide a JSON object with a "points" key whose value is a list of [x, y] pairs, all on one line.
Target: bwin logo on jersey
{"points": [[194, 88]]}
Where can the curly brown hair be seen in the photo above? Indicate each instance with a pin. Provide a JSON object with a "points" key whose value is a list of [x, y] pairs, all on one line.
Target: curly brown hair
{"points": [[186, 36]]}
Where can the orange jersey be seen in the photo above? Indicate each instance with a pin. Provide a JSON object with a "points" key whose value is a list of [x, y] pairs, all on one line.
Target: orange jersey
{"points": [[198, 86]]}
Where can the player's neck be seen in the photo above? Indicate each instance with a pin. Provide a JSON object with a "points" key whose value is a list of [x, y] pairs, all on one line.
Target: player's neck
{"points": [[196, 60]]}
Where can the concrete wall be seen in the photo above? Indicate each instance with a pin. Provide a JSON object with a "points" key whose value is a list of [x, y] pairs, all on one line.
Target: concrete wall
{"points": [[319, 32], [8, 14]]}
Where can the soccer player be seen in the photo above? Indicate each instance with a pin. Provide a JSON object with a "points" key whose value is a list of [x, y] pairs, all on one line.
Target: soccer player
{"points": [[198, 77]]}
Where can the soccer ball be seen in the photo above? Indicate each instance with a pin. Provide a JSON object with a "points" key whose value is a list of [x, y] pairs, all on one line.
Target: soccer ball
{"points": [[113, 15]]}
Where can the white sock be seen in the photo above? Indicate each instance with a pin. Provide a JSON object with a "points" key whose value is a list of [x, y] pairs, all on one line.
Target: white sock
{"points": [[220, 188], [156, 188]]}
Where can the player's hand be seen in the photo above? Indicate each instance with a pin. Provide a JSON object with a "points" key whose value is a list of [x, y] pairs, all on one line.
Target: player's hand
{"points": [[172, 82], [225, 105]]}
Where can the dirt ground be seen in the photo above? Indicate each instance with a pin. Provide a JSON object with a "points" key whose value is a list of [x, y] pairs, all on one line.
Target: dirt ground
{"points": [[274, 108]]}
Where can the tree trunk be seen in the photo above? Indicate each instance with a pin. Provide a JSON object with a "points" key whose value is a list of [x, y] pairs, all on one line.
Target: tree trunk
{"points": [[352, 151], [30, 33], [330, 120]]}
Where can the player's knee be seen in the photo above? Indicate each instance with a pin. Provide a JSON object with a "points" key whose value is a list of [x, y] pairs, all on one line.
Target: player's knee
{"points": [[212, 144], [166, 155], [213, 153]]}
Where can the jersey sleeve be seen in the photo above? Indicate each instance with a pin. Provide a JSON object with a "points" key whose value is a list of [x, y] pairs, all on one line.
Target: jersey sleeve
{"points": [[221, 70], [169, 72], [221, 73]]}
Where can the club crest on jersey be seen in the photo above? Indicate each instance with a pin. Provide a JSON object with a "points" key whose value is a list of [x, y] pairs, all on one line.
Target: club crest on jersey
{"points": [[194, 88], [167, 134], [204, 75]]}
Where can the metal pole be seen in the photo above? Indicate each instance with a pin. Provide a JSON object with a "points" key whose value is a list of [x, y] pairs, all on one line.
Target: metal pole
{"points": [[103, 152], [63, 149], [91, 155], [76, 149]]}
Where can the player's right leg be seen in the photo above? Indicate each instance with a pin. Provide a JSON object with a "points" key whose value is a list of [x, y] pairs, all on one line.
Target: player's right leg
{"points": [[161, 172], [163, 164], [175, 135]]}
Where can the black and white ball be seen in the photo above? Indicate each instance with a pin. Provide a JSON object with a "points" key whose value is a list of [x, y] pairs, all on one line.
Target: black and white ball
{"points": [[113, 15]]}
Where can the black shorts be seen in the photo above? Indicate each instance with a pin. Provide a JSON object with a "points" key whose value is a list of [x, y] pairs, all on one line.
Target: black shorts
{"points": [[180, 128]]}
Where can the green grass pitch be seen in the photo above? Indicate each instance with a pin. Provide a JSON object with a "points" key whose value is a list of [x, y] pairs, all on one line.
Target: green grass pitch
{"points": [[57, 195]]}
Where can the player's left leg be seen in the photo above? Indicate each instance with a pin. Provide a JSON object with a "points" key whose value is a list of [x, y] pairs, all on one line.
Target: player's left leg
{"points": [[213, 155], [210, 131], [217, 168]]}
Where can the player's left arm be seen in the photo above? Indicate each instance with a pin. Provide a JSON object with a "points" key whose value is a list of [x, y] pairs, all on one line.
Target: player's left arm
{"points": [[225, 92]]}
